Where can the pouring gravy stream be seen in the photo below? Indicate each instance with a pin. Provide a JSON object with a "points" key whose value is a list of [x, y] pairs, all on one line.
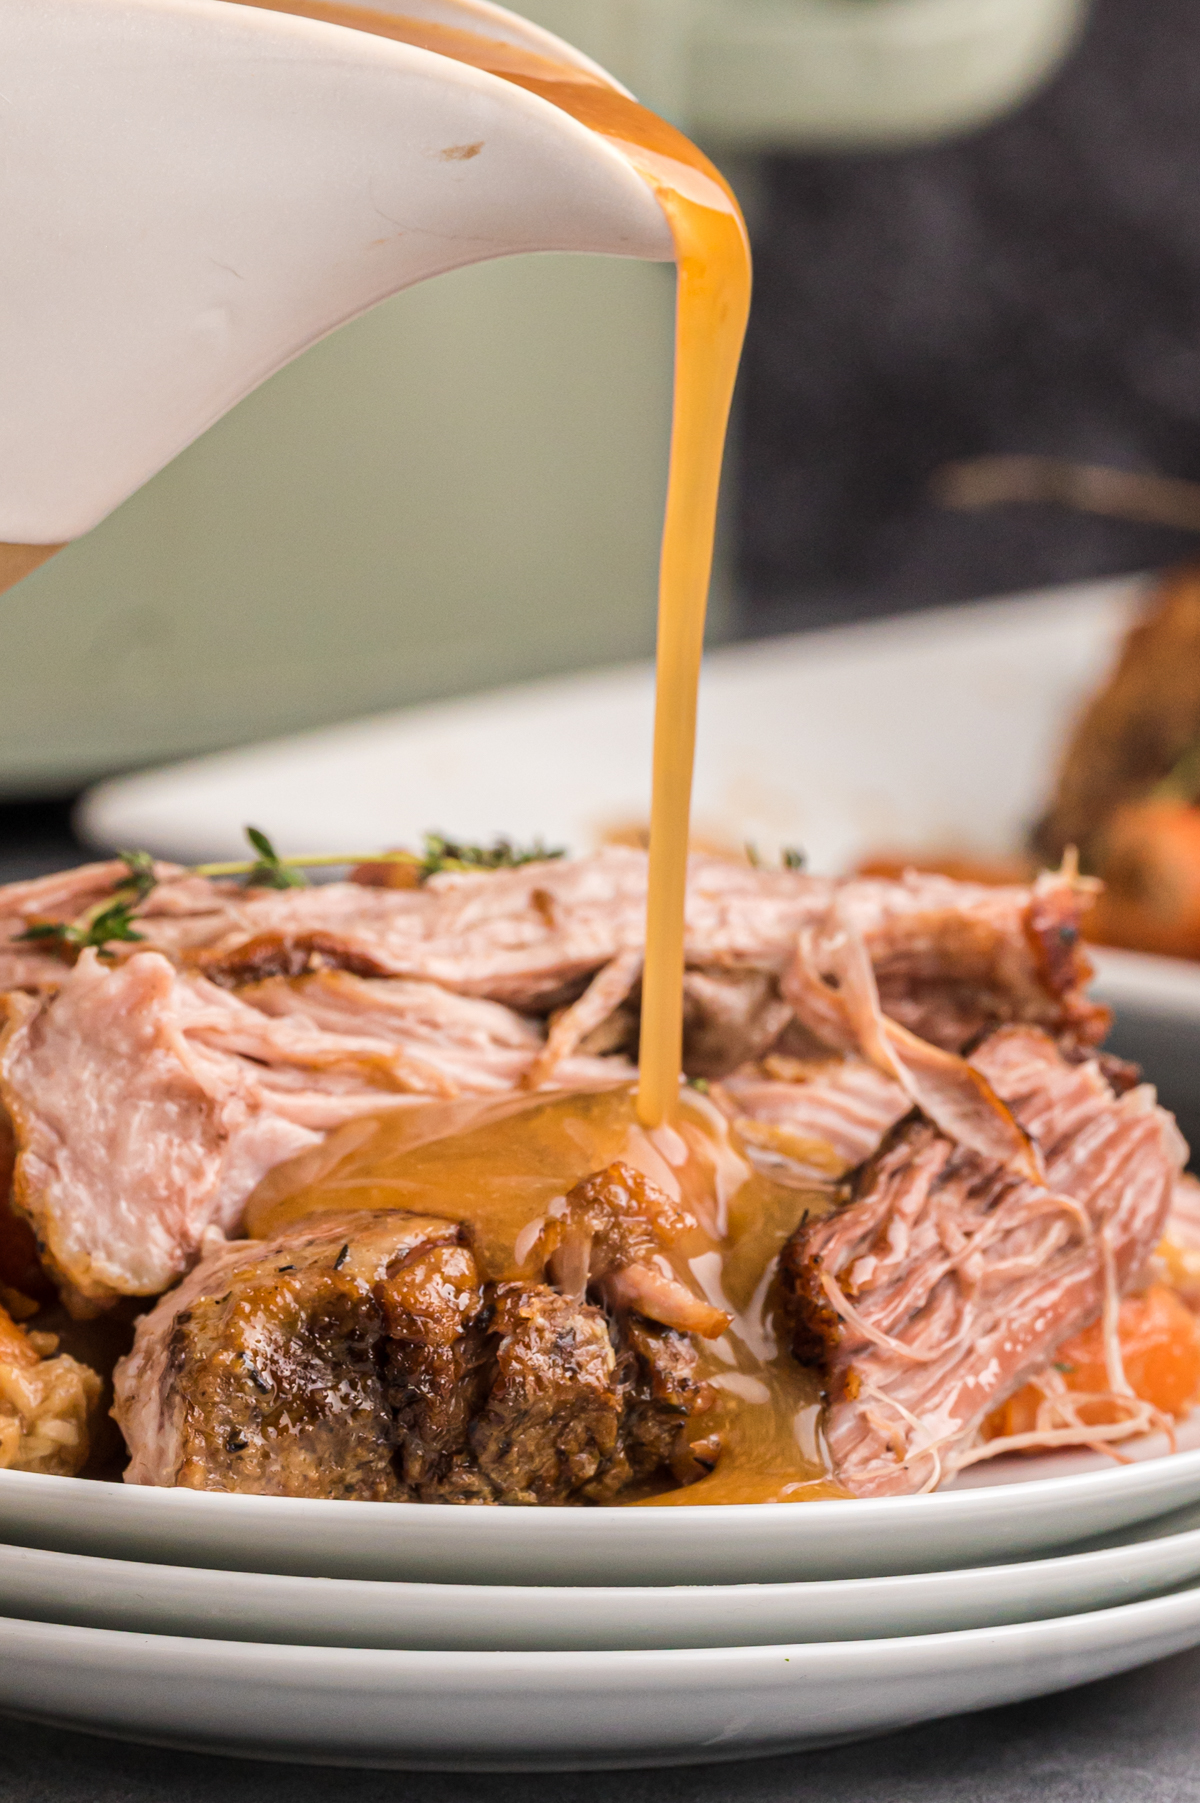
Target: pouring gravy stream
{"points": [[712, 303], [500, 1167]]}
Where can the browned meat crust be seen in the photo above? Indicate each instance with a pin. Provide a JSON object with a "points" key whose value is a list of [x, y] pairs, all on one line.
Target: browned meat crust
{"points": [[605, 1241], [953, 960], [945, 1281], [364, 1358], [283, 955], [551, 1422], [662, 1396], [1136, 727], [262, 1372]]}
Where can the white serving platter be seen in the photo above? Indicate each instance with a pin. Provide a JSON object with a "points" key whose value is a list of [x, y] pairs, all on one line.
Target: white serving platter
{"points": [[77, 1591], [836, 741], [555, 1711], [721, 1544]]}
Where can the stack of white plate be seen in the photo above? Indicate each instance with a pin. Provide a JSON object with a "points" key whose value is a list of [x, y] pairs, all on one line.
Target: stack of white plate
{"points": [[383, 1634], [474, 1638]]}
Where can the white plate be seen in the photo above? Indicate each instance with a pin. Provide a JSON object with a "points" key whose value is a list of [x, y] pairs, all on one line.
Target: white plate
{"points": [[522, 1711], [887, 733], [723, 1544], [175, 1599]]}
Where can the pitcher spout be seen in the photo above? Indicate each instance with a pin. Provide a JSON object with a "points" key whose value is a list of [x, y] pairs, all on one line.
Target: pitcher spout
{"points": [[195, 191]]}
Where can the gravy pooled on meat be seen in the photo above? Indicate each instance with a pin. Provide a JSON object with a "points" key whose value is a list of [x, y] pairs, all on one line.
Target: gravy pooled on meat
{"points": [[542, 1299], [366, 1357]]}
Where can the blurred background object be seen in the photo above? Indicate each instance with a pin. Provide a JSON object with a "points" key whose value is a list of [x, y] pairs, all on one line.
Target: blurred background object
{"points": [[1031, 289], [922, 733], [465, 486]]}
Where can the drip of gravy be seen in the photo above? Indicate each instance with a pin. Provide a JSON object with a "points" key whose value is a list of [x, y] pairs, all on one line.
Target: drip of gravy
{"points": [[499, 1167], [19, 561], [712, 303], [504, 1171]]}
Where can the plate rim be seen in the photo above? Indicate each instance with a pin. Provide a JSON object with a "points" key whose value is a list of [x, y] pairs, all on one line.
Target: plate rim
{"points": [[1138, 1474], [520, 1665]]}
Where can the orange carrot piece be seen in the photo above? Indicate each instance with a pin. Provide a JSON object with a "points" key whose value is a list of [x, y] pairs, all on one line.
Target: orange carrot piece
{"points": [[1160, 1348]]}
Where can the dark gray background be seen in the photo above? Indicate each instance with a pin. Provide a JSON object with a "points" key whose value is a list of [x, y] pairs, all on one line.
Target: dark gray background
{"points": [[1034, 288]]}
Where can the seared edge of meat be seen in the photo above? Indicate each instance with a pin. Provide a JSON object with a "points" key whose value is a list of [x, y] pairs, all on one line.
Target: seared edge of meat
{"points": [[364, 1357], [261, 1371]]}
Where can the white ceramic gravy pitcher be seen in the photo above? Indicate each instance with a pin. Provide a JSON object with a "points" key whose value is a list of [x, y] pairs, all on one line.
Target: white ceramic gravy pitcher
{"points": [[191, 192]]}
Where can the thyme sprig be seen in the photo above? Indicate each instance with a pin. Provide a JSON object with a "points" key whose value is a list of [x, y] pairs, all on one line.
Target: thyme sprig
{"points": [[439, 854], [270, 871], [452, 854], [109, 920]]}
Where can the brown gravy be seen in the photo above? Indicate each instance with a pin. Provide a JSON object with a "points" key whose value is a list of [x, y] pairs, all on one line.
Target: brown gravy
{"points": [[712, 256], [19, 561], [499, 1166], [501, 1171]]}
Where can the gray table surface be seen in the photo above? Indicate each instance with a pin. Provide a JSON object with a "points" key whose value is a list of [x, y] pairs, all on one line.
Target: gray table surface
{"points": [[1133, 1739]]}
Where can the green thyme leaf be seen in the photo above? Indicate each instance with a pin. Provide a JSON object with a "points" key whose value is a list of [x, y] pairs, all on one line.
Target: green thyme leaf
{"points": [[793, 858], [270, 871], [141, 879], [452, 854], [109, 921]]}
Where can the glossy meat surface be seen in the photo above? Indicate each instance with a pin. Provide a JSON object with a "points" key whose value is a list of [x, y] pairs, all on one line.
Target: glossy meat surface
{"points": [[365, 1357], [263, 1371]]}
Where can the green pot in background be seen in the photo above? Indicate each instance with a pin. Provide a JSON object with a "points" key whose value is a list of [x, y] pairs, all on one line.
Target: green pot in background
{"points": [[464, 487]]}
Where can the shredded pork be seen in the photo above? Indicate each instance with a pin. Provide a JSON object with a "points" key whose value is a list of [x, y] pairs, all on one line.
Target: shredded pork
{"points": [[152, 1085], [947, 1281]]}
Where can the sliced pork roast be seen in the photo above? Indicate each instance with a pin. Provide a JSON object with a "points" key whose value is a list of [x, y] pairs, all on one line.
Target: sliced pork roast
{"points": [[147, 1102], [366, 1357], [151, 1085], [946, 1280], [951, 958], [811, 1120]]}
